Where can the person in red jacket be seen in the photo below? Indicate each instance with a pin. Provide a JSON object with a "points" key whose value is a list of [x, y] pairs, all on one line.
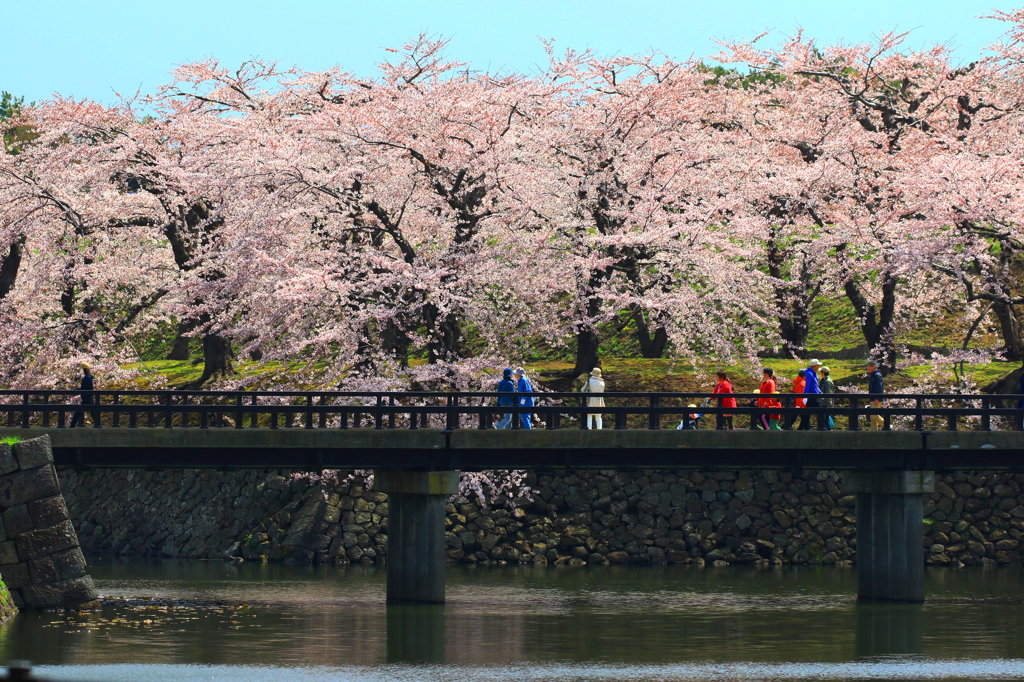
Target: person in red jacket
{"points": [[724, 421], [768, 387]]}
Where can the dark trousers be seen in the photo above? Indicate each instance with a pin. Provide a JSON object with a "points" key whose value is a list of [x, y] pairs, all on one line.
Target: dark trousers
{"points": [[813, 401], [723, 422], [79, 417]]}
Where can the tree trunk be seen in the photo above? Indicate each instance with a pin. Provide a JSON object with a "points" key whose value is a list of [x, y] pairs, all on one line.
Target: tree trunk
{"points": [[877, 323], [444, 343], [9, 267], [1010, 329], [180, 347], [218, 361], [794, 325], [650, 346], [587, 342]]}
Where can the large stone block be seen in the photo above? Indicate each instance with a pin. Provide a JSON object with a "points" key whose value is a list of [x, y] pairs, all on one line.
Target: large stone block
{"points": [[48, 511], [33, 453], [70, 564], [35, 544], [27, 486], [17, 520], [43, 571], [7, 461], [16, 575], [63, 594], [8, 553]]}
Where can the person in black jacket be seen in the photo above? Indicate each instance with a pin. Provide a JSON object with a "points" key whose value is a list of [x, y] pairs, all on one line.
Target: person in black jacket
{"points": [[875, 387], [87, 398]]}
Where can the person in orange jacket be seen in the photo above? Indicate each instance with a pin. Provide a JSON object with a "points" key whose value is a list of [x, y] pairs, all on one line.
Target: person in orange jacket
{"points": [[798, 387]]}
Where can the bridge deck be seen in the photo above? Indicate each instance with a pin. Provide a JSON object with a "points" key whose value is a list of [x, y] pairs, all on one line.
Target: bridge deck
{"points": [[467, 449]]}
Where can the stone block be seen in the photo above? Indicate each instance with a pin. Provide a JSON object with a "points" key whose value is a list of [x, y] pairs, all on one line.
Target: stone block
{"points": [[35, 544], [17, 520], [33, 453], [48, 511], [16, 575], [43, 570], [63, 594], [19, 601], [70, 564], [27, 486], [8, 553], [7, 461]]}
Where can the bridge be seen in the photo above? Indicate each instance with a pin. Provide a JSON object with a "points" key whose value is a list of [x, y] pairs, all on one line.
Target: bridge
{"points": [[416, 442]]}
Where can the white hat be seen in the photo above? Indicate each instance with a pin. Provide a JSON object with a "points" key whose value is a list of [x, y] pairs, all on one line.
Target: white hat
{"points": [[520, 371], [596, 372], [815, 363]]}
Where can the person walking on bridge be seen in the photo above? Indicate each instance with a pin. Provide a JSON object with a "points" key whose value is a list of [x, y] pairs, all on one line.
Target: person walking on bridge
{"points": [[798, 387], [828, 387], [724, 421], [86, 396], [506, 386], [595, 384], [813, 393], [767, 388], [875, 387], [524, 388]]}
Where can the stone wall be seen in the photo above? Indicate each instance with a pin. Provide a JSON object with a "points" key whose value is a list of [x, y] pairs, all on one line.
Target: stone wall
{"points": [[40, 559], [581, 518]]}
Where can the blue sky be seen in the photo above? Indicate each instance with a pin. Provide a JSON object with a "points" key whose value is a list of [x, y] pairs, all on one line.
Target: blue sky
{"points": [[96, 48]]}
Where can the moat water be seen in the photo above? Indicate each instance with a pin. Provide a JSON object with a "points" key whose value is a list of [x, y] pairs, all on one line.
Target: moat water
{"points": [[191, 620]]}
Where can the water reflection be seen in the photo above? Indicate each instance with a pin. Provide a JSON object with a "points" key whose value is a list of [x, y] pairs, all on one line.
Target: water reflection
{"points": [[628, 618], [889, 629], [416, 633]]}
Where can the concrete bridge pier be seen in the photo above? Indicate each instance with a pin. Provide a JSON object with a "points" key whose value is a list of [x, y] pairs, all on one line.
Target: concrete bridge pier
{"points": [[416, 561], [890, 533]]}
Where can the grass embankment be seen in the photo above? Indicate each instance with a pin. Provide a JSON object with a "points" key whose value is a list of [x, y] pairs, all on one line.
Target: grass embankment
{"points": [[834, 328]]}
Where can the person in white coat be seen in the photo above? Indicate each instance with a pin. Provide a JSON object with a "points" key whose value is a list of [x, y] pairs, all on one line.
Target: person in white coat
{"points": [[594, 385]]}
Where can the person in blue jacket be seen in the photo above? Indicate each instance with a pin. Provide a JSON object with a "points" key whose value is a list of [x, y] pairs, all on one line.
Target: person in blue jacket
{"points": [[813, 392], [506, 386], [524, 388]]}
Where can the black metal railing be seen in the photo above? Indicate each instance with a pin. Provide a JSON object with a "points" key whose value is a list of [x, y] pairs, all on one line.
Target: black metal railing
{"points": [[448, 410]]}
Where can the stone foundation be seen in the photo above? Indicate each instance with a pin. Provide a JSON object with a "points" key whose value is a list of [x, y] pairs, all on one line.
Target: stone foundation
{"points": [[40, 558], [973, 518]]}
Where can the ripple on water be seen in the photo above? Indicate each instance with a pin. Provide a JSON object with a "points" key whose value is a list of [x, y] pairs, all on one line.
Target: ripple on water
{"points": [[925, 669]]}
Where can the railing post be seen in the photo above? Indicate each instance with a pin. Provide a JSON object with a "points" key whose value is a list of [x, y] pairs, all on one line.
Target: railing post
{"points": [[133, 419], [378, 417], [986, 417], [115, 419], [24, 411], [255, 422], [584, 416], [919, 416], [620, 421], [202, 419], [239, 415], [452, 420], [854, 424], [654, 421], [391, 411], [309, 411], [97, 418], [322, 419], [46, 413]]}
